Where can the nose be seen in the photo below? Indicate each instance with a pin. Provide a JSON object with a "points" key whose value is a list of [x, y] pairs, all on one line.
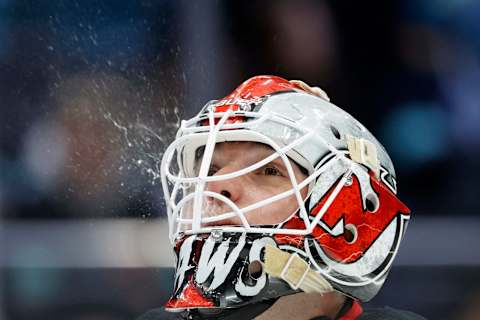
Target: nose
{"points": [[230, 188]]}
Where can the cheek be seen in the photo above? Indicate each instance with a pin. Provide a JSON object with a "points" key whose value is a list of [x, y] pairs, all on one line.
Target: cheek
{"points": [[282, 209], [253, 193], [274, 213]]}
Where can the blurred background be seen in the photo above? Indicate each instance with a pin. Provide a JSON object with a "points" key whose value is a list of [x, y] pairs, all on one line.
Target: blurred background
{"points": [[92, 91]]}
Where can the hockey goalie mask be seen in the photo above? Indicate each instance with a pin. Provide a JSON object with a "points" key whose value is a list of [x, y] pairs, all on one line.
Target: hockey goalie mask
{"points": [[297, 154]]}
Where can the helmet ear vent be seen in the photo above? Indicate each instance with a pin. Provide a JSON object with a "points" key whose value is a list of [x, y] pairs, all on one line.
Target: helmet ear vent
{"points": [[350, 233], [371, 202], [255, 269], [335, 132]]}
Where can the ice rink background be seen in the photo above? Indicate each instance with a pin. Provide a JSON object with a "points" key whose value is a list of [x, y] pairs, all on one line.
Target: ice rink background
{"points": [[92, 91]]}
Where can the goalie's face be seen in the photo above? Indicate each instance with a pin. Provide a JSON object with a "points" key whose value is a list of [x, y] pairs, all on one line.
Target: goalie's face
{"points": [[262, 183]]}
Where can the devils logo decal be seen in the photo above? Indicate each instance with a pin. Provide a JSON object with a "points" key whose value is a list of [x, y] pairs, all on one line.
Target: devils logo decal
{"points": [[361, 226], [358, 235]]}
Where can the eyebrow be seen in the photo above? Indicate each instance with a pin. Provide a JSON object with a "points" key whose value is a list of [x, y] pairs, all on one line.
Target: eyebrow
{"points": [[294, 164], [266, 152], [279, 161]]}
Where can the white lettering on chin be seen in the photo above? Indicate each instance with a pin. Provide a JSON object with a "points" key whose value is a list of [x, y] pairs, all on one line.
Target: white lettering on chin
{"points": [[219, 264], [254, 254], [183, 261]]}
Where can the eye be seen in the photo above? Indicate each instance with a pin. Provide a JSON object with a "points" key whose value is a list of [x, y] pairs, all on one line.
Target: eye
{"points": [[212, 170], [271, 171]]}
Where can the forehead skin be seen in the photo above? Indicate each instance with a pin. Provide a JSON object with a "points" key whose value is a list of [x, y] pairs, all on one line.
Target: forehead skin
{"points": [[244, 154]]}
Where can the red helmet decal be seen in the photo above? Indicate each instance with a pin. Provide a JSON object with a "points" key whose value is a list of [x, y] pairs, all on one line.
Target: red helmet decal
{"points": [[190, 297], [349, 246], [256, 87], [295, 240], [250, 93], [347, 209]]}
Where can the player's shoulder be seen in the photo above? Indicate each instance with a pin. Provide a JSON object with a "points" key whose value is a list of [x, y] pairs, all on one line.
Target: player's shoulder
{"points": [[388, 313], [159, 314]]}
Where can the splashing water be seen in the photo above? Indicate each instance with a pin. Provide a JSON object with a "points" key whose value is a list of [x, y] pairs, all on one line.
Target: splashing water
{"points": [[108, 116], [145, 145]]}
